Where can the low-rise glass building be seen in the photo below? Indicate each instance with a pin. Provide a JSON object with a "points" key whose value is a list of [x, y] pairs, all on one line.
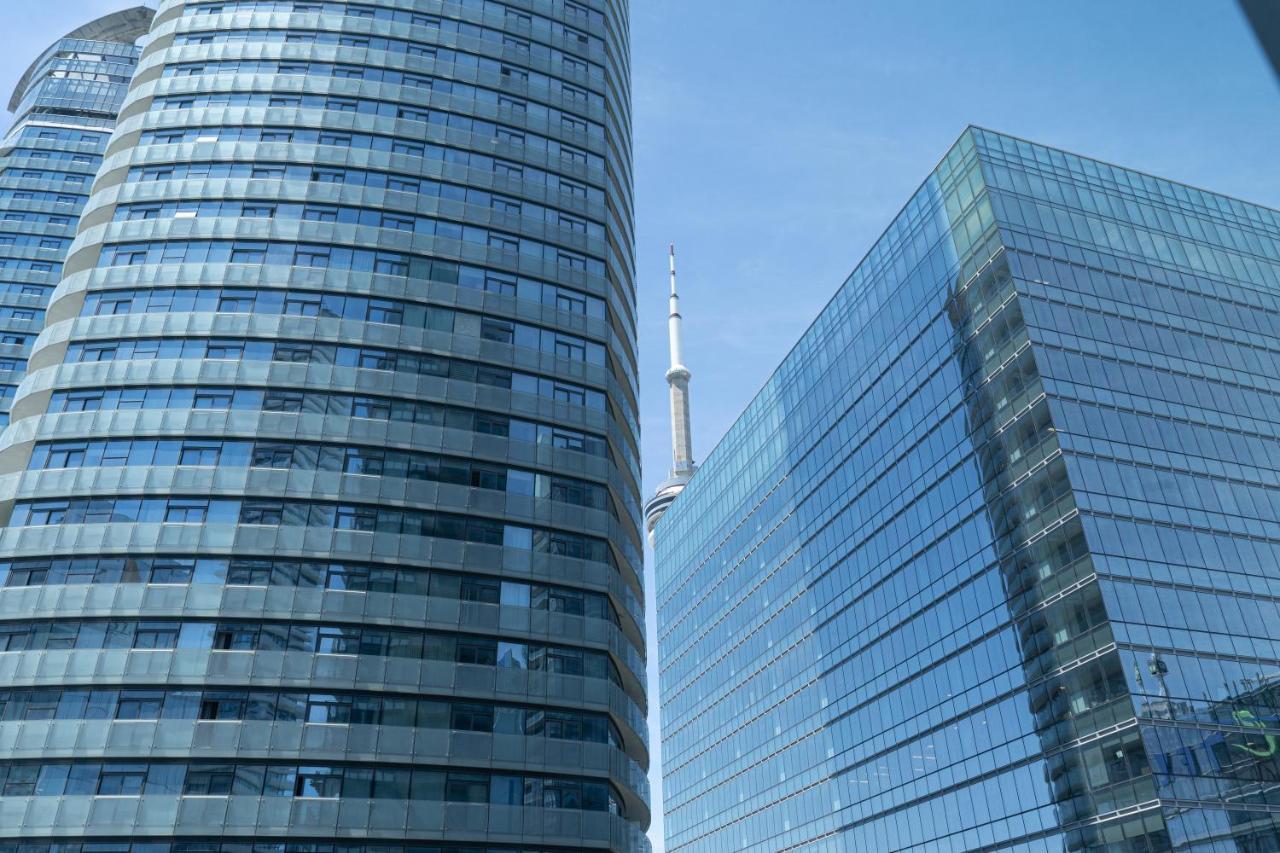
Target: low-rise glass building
{"points": [[992, 562]]}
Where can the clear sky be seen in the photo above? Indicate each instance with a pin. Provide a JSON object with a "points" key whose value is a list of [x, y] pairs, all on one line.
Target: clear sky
{"points": [[774, 142]]}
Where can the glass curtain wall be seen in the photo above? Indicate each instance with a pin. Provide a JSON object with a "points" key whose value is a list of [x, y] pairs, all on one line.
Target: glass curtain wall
{"points": [[325, 523]]}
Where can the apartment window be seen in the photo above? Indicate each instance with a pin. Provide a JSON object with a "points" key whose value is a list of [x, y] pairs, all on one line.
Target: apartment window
{"points": [[282, 401], [253, 253], [571, 303], [255, 512], [121, 780], [272, 456], [364, 462], [186, 512], [572, 396], [140, 705], [383, 311], [233, 302], [235, 638], [302, 306], [477, 652], [322, 782], [356, 518], [21, 781], [573, 156], [410, 114], [292, 353], [66, 455], [200, 454], [222, 705], [172, 571], [224, 350], [83, 401], [505, 205], [207, 399], [397, 222], [115, 454], [213, 781], [407, 148], [571, 349], [504, 243], [501, 331], [156, 635], [312, 258]]}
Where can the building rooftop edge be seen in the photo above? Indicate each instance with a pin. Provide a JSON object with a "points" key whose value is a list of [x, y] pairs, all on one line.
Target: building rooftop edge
{"points": [[968, 130], [123, 27]]}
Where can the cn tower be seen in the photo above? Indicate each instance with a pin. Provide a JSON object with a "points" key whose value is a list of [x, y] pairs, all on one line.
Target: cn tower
{"points": [[682, 465]]}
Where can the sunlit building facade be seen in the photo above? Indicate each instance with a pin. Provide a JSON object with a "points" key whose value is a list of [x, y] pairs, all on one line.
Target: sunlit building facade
{"points": [[64, 108], [993, 560], [321, 512]]}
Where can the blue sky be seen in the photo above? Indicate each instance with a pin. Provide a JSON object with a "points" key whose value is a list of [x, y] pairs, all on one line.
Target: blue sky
{"points": [[774, 142]]}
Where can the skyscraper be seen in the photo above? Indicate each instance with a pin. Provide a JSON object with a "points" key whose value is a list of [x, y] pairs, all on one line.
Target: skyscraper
{"points": [[64, 108], [1264, 17], [322, 524], [992, 562]]}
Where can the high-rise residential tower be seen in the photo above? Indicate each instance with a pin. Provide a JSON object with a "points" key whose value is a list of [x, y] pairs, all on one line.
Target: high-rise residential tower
{"points": [[64, 108], [992, 562], [321, 512], [1264, 17]]}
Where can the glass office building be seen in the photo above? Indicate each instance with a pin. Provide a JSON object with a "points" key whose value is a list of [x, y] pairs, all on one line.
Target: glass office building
{"points": [[64, 108], [320, 497], [993, 560]]}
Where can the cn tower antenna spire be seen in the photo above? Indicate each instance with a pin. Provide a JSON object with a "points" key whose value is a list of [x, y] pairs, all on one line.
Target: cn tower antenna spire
{"points": [[682, 464], [678, 379]]}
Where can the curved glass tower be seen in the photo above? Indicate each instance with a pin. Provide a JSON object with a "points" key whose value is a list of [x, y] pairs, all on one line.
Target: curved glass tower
{"points": [[64, 108], [322, 520]]}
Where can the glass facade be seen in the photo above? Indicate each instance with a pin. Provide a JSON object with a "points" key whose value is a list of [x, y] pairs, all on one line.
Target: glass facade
{"points": [[993, 560], [64, 108], [320, 498]]}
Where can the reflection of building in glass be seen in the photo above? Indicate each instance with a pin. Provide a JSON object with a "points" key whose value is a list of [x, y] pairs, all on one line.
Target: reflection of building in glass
{"points": [[64, 109], [1226, 749], [321, 519], [994, 556]]}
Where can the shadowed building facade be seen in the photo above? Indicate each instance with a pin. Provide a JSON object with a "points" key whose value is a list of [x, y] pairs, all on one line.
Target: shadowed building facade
{"points": [[992, 562], [320, 498], [64, 108]]}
